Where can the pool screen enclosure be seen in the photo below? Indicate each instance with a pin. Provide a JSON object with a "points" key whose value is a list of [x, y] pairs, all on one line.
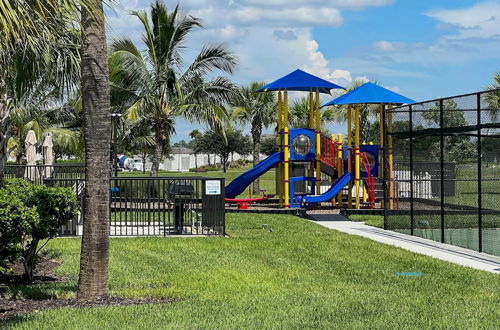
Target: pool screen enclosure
{"points": [[444, 180]]}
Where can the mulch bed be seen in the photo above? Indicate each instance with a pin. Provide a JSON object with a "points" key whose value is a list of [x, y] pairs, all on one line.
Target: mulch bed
{"points": [[10, 307]]}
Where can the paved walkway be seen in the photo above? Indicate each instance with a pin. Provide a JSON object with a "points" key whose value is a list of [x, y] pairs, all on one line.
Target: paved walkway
{"points": [[419, 245]]}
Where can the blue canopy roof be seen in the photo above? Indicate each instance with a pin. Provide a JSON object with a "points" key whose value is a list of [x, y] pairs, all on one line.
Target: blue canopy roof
{"points": [[369, 93], [299, 80]]}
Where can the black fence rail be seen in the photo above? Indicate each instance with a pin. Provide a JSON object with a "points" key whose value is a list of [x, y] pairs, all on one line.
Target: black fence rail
{"points": [[155, 206], [37, 173], [444, 180], [158, 206]]}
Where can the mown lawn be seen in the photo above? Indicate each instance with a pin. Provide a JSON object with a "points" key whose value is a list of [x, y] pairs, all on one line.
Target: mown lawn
{"points": [[299, 275]]}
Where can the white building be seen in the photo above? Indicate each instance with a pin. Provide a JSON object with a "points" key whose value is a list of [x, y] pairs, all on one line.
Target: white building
{"points": [[182, 159]]}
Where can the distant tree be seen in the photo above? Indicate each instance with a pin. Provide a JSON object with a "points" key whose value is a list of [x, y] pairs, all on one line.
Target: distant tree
{"points": [[224, 144], [458, 148], [269, 146], [181, 144], [195, 135]]}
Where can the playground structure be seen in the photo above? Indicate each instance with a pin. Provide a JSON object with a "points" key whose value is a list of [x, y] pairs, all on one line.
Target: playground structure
{"points": [[349, 166]]}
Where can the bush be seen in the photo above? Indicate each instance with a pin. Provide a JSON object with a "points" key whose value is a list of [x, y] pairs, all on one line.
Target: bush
{"points": [[30, 214]]}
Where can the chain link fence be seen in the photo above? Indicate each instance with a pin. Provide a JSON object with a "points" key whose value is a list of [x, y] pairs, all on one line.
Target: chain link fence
{"points": [[443, 170]]}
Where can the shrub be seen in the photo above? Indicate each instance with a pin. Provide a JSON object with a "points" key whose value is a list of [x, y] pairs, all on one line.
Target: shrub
{"points": [[30, 214]]}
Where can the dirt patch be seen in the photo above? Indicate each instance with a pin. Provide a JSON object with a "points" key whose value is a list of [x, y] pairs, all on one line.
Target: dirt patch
{"points": [[10, 307]]}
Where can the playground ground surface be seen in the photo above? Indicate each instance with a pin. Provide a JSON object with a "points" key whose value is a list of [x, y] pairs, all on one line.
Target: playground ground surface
{"points": [[272, 271]]}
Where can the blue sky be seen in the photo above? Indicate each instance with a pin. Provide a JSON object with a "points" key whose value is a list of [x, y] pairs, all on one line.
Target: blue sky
{"points": [[422, 49]]}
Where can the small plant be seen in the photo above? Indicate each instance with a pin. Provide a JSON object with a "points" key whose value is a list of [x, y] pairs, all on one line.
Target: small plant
{"points": [[30, 214]]}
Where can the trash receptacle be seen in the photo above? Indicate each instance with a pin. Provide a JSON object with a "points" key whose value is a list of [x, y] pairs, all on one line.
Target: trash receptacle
{"points": [[180, 193]]}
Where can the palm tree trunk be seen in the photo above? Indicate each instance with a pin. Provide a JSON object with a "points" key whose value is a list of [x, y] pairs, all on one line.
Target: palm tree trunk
{"points": [[93, 280], [156, 159]]}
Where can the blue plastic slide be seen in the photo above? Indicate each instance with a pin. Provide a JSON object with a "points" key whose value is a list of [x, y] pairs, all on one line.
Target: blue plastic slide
{"points": [[330, 193], [238, 185]]}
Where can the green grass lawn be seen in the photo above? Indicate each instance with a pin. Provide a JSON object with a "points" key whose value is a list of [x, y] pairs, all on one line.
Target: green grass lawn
{"points": [[299, 275]]}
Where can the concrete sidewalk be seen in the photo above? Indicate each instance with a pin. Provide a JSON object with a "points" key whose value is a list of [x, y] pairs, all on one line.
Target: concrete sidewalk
{"points": [[419, 245]]}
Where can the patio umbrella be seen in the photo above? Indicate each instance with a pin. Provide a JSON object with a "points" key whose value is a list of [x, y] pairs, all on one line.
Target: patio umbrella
{"points": [[31, 172], [48, 156]]}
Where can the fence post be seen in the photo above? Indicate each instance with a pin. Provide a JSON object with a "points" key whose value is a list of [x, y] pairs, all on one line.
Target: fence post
{"points": [[441, 147], [412, 224], [479, 176]]}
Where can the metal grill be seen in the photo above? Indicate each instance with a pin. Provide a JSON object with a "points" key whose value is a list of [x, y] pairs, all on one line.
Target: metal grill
{"points": [[444, 180]]}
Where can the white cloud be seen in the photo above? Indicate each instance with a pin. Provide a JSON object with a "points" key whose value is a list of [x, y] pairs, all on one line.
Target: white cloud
{"points": [[395, 89], [481, 20], [270, 37], [309, 16]]}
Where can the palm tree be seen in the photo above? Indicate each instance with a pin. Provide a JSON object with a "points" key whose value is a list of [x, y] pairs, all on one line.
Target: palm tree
{"points": [[93, 278], [493, 98], [35, 108], [35, 35], [298, 115], [38, 30], [339, 113], [258, 110], [195, 135], [158, 93]]}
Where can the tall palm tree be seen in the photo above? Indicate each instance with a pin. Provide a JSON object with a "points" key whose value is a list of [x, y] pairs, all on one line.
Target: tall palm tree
{"points": [[493, 98], [152, 82], [93, 279], [298, 115], [258, 110]]}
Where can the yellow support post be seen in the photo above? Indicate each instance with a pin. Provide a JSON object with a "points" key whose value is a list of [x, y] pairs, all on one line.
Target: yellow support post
{"points": [[280, 165], [357, 174], [311, 126], [389, 145], [318, 146], [349, 156], [311, 109], [340, 167], [286, 151]]}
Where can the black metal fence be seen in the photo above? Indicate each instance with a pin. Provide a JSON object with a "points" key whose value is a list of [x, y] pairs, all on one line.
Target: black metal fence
{"points": [[442, 170], [36, 173], [141, 206], [158, 206]]}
